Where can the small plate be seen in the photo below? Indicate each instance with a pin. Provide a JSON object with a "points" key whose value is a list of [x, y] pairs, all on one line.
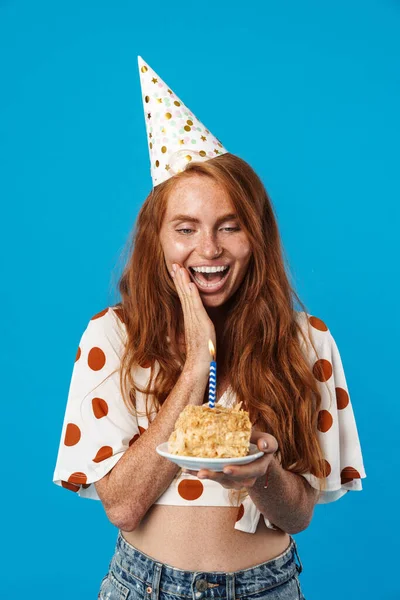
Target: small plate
{"points": [[195, 463]]}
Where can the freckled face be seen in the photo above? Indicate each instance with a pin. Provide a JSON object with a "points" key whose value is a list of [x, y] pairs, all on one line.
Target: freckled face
{"points": [[211, 236]]}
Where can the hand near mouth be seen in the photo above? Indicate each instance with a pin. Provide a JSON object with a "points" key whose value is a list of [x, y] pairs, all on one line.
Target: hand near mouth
{"points": [[198, 327]]}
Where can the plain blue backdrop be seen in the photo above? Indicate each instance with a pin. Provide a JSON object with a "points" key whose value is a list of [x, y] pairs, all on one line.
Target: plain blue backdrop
{"points": [[309, 94]]}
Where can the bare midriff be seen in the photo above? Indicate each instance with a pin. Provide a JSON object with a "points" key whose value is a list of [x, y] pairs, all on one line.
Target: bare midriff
{"points": [[203, 538]]}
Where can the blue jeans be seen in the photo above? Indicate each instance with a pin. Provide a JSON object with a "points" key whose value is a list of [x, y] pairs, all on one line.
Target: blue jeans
{"points": [[135, 576]]}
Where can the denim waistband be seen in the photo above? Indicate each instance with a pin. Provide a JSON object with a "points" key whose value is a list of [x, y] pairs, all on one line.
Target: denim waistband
{"points": [[130, 564]]}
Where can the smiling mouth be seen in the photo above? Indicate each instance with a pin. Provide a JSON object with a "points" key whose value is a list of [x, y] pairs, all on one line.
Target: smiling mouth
{"points": [[209, 281]]}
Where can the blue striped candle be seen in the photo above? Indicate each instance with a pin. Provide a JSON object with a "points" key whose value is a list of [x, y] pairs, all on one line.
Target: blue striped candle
{"points": [[212, 383]]}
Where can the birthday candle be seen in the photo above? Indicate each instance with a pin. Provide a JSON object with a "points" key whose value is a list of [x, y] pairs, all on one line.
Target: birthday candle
{"points": [[212, 382]]}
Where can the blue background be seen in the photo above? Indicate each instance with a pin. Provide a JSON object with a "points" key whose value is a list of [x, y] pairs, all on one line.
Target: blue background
{"points": [[308, 93]]}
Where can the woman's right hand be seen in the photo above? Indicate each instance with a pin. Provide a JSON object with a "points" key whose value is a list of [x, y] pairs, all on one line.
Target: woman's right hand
{"points": [[198, 326]]}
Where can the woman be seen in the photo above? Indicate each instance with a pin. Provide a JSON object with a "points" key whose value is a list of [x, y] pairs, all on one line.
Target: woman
{"points": [[140, 363]]}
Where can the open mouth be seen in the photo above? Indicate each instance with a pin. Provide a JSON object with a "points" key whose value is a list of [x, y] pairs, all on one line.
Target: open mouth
{"points": [[209, 281]]}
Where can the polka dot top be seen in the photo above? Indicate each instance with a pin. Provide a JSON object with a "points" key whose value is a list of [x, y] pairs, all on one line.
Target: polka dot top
{"points": [[98, 428]]}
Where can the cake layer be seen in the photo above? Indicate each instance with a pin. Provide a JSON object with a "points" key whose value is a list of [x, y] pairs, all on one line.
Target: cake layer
{"points": [[211, 432]]}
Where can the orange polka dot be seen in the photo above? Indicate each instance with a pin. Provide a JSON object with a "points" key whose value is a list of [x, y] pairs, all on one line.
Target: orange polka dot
{"points": [[240, 512], [146, 364], [100, 408], [78, 354], [325, 421], [100, 314], [120, 314], [103, 453], [137, 436], [70, 486], [190, 489], [318, 324], [96, 359], [322, 370], [325, 470], [78, 477], [348, 474], [72, 434], [342, 398]]}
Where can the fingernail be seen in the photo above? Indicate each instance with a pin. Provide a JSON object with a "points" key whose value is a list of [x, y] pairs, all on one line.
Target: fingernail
{"points": [[174, 267], [228, 471], [265, 445]]}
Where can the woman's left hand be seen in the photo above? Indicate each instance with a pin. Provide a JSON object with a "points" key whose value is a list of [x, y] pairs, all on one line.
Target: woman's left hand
{"points": [[238, 477]]}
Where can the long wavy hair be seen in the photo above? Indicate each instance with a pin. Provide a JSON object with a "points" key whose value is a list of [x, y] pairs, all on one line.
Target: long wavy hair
{"points": [[268, 369]]}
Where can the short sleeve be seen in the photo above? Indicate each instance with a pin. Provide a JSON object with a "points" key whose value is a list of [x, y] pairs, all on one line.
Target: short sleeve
{"points": [[97, 428], [337, 429]]}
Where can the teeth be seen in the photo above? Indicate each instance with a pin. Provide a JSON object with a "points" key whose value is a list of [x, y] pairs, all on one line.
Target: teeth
{"points": [[209, 269]]}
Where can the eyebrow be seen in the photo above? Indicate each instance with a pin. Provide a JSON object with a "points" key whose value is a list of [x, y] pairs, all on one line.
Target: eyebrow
{"points": [[229, 217]]}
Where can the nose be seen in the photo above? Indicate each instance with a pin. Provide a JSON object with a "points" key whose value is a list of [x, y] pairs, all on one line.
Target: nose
{"points": [[208, 245]]}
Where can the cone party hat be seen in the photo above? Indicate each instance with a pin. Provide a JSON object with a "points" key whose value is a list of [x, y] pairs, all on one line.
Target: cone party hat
{"points": [[174, 135]]}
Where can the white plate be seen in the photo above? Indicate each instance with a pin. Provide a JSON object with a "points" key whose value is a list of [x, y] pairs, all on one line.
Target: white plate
{"points": [[195, 463]]}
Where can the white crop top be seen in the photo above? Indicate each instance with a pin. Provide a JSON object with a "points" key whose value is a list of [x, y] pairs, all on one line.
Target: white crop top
{"points": [[98, 428]]}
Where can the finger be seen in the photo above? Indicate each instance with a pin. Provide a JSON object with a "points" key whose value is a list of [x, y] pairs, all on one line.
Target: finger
{"points": [[194, 292], [202, 474], [188, 293], [187, 290], [189, 472], [186, 284], [178, 279], [255, 469], [228, 482], [192, 316], [182, 292], [194, 311], [215, 475], [265, 442]]}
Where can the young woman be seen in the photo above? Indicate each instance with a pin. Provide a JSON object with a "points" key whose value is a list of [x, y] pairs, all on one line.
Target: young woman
{"points": [[206, 263]]}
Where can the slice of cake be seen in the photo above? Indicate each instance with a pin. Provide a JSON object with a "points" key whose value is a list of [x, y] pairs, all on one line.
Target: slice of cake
{"points": [[211, 432]]}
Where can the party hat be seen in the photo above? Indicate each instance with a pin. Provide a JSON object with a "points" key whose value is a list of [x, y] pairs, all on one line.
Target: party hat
{"points": [[175, 136]]}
